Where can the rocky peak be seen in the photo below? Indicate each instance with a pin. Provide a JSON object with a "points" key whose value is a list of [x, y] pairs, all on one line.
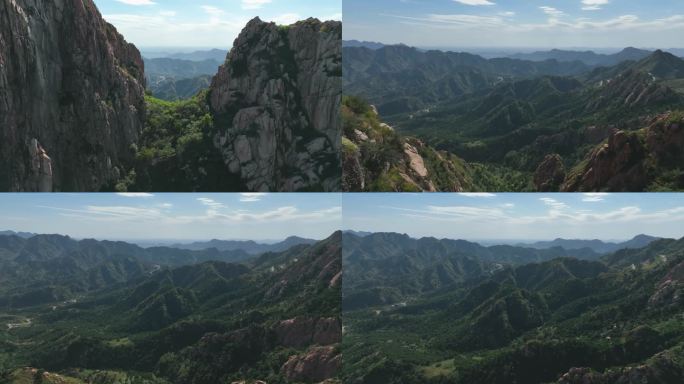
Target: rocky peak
{"points": [[550, 174], [71, 97], [277, 103]]}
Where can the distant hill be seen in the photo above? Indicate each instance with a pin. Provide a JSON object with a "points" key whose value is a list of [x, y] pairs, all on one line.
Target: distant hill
{"points": [[212, 54], [385, 268], [249, 246], [176, 79], [25, 235], [598, 246], [365, 44], [588, 57], [197, 55]]}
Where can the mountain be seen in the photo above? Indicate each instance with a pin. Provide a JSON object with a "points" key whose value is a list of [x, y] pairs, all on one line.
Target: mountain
{"points": [[597, 246], [271, 147], [384, 268], [267, 122], [175, 79], [400, 79], [565, 321], [517, 125], [45, 268], [202, 323], [587, 57], [364, 44], [91, 91], [376, 158], [24, 235], [211, 54], [179, 69], [172, 89], [662, 65], [645, 159], [248, 246]]}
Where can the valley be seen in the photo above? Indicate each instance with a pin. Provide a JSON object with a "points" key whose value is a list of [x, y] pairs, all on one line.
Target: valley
{"points": [[548, 121], [112, 312], [448, 311]]}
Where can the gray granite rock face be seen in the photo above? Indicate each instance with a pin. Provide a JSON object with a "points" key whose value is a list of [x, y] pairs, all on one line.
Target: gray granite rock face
{"points": [[277, 100], [71, 97]]}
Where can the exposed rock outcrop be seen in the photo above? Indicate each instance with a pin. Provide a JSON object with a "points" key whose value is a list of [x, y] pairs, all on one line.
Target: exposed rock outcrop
{"points": [[315, 365], [659, 369], [376, 158], [631, 161], [301, 332], [71, 97], [550, 174], [276, 101]]}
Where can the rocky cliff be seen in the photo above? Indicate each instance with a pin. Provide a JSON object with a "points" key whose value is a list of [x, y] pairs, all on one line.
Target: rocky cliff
{"points": [[71, 97], [646, 159], [276, 105], [376, 158]]}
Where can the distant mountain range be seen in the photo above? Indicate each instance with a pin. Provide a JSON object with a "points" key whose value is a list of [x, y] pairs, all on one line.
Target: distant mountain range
{"points": [[587, 57], [198, 55], [249, 246], [177, 79], [25, 235], [365, 44], [597, 246]]}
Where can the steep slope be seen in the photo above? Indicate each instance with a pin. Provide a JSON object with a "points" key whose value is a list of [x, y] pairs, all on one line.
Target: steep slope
{"points": [[647, 159], [376, 158], [71, 107], [276, 101]]}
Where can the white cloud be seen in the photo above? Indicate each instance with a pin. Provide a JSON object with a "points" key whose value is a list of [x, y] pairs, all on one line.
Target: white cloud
{"points": [[137, 2], [254, 4], [168, 13], [251, 197], [135, 194], [214, 11], [551, 11], [507, 14], [475, 2], [594, 197], [593, 5], [477, 194], [210, 202], [553, 203]]}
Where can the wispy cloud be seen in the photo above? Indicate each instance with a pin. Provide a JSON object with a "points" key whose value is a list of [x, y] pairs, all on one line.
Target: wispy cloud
{"points": [[251, 197], [135, 194], [137, 2], [477, 194], [594, 197], [593, 5], [254, 4], [474, 2]]}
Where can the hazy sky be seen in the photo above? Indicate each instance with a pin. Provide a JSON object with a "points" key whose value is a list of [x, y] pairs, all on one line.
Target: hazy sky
{"points": [[521, 216], [517, 23], [174, 216], [205, 23]]}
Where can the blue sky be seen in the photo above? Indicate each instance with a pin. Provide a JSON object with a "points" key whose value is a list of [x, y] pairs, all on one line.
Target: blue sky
{"points": [[521, 216], [517, 23], [174, 216], [205, 23]]}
